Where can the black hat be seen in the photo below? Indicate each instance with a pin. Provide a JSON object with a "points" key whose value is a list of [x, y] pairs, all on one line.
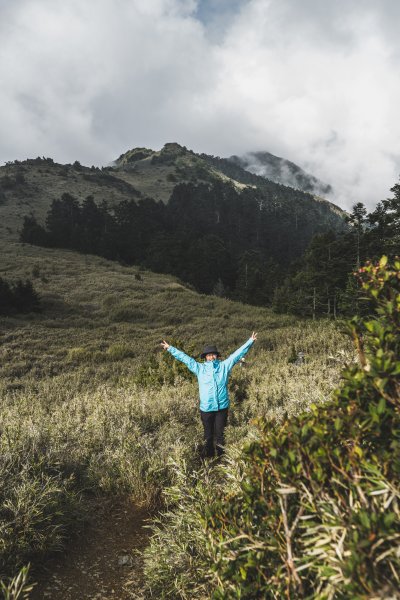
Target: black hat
{"points": [[210, 350]]}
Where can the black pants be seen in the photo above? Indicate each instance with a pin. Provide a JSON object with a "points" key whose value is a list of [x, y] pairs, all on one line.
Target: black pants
{"points": [[214, 423]]}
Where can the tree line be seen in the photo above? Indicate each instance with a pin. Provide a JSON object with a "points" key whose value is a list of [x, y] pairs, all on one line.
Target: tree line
{"points": [[245, 246], [321, 282]]}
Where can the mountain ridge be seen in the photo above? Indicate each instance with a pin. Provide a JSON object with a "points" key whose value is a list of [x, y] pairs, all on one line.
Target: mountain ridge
{"points": [[231, 168], [281, 170], [30, 186]]}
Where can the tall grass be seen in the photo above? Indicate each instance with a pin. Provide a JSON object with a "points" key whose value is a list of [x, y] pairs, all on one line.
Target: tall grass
{"points": [[17, 587], [310, 508], [78, 418]]}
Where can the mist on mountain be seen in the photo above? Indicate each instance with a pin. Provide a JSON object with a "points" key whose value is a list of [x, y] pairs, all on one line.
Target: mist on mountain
{"points": [[282, 171]]}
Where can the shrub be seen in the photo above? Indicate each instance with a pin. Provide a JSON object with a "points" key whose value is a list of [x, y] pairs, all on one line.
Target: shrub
{"points": [[37, 505], [84, 355], [119, 352], [177, 560], [317, 513], [18, 297], [162, 369], [36, 271], [127, 313]]}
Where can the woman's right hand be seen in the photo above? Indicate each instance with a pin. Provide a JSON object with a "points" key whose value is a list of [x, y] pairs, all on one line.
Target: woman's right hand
{"points": [[165, 345]]}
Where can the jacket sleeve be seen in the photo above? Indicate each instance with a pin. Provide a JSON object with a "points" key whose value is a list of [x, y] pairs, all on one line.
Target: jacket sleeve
{"points": [[191, 364], [238, 354]]}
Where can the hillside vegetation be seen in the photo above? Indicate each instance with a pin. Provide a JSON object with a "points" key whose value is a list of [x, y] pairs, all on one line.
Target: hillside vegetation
{"points": [[90, 405], [310, 508], [198, 217], [29, 187]]}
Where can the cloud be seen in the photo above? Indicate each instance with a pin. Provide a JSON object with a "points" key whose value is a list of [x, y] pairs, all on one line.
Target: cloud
{"points": [[83, 83], [320, 91], [313, 82]]}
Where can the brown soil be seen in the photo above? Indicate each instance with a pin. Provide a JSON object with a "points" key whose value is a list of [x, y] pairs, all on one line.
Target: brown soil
{"points": [[102, 564]]}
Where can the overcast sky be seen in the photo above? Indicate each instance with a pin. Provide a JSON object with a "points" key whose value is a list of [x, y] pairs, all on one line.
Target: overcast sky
{"points": [[315, 81]]}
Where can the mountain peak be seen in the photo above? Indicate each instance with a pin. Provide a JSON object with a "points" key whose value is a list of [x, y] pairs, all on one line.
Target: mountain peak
{"points": [[174, 147], [133, 156]]}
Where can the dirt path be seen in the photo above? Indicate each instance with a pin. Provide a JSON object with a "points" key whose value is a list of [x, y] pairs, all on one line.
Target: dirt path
{"points": [[101, 564]]}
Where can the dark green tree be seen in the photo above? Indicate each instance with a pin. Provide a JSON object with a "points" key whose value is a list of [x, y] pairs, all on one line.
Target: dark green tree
{"points": [[357, 220], [33, 233], [26, 298], [384, 234], [256, 278], [206, 262], [63, 222]]}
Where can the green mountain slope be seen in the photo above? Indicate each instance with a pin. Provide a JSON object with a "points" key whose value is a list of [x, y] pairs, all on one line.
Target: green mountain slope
{"points": [[28, 187], [176, 163], [95, 313]]}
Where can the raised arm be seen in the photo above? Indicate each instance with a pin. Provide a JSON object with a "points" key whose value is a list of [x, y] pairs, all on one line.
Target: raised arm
{"points": [[240, 352], [191, 364]]}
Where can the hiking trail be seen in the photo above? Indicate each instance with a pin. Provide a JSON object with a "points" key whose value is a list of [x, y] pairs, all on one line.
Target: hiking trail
{"points": [[102, 563]]}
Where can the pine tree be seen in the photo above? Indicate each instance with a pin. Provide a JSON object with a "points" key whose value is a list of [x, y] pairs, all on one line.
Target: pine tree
{"points": [[33, 233]]}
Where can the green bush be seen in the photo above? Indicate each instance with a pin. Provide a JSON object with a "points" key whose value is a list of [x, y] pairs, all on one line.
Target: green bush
{"points": [[119, 352], [162, 369], [127, 313], [317, 514]]}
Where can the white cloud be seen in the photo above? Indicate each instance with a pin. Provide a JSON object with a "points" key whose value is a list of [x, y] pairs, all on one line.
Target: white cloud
{"points": [[319, 87]]}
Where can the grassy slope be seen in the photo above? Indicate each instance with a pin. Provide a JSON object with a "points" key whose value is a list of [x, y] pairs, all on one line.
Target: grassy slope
{"points": [[154, 179], [91, 304], [46, 182], [74, 413], [99, 324]]}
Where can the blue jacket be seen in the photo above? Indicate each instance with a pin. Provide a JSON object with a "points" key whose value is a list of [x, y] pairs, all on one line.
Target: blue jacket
{"points": [[212, 376]]}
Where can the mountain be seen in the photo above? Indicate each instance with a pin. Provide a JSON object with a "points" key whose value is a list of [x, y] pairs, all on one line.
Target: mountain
{"points": [[176, 163], [202, 218], [156, 173], [282, 171], [30, 186]]}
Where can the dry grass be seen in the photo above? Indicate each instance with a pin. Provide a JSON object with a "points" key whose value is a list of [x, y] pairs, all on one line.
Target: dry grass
{"points": [[74, 418]]}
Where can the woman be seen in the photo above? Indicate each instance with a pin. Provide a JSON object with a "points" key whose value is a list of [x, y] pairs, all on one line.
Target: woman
{"points": [[213, 377]]}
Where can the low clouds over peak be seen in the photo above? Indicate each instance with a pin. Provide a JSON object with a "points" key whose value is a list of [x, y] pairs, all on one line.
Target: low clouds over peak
{"points": [[318, 87]]}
